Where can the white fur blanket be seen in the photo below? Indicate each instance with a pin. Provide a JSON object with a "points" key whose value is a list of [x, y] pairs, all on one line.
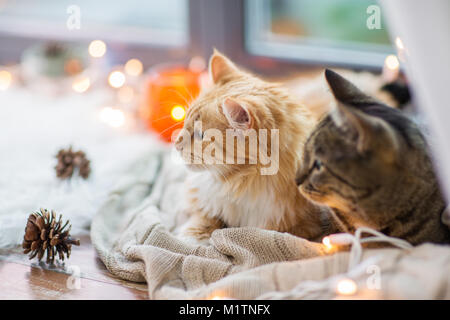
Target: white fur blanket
{"points": [[132, 234], [33, 127]]}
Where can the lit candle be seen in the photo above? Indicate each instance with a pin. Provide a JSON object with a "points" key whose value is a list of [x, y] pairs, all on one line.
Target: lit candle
{"points": [[391, 68], [178, 113], [169, 91]]}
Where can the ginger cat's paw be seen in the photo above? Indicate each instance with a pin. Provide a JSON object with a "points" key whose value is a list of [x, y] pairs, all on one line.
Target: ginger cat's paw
{"points": [[198, 229]]}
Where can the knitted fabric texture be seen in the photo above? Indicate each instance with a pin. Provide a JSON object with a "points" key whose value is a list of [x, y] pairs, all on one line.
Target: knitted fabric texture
{"points": [[133, 236]]}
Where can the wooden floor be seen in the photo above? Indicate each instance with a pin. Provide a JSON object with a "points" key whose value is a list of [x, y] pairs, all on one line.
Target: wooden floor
{"points": [[21, 278]]}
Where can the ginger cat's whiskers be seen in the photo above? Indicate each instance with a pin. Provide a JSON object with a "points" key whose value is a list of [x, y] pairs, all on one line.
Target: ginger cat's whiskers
{"points": [[168, 128], [177, 92]]}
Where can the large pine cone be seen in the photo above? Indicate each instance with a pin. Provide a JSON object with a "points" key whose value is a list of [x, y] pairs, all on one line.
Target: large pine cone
{"points": [[44, 233]]}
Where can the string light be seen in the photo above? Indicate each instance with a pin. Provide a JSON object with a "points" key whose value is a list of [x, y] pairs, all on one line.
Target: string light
{"points": [[391, 68], [327, 243], [116, 79], [343, 285], [134, 67], [401, 50], [218, 295], [5, 80], [97, 48], [113, 117], [346, 287], [177, 113], [80, 85], [337, 239], [399, 43], [392, 62]]}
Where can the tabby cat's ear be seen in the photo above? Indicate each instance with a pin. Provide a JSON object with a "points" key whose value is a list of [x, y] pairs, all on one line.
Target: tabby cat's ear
{"points": [[368, 132], [238, 116], [221, 68], [344, 91]]}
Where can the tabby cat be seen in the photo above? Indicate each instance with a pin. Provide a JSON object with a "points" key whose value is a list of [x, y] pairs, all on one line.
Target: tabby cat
{"points": [[369, 163]]}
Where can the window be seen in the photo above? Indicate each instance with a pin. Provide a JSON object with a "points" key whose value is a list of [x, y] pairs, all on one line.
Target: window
{"points": [[291, 34], [325, 31], [134, 21]]}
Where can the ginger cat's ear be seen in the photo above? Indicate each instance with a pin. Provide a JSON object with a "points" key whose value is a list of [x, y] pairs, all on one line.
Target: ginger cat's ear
{"points": [[238, 116], [221, 68]]}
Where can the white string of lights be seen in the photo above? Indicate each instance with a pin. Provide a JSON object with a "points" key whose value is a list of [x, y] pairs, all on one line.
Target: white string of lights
{"points": [[341, 284]]}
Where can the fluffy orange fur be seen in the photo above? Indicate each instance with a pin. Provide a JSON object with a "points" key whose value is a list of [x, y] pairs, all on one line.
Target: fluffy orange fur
{"points": [[238, 195]]}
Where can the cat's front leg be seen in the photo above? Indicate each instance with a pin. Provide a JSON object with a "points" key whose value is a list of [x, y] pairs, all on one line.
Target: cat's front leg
{"points": [[199, 228]]}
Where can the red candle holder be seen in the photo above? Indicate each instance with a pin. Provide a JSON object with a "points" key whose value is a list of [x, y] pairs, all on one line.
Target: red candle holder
{"points": [[169, 91]]}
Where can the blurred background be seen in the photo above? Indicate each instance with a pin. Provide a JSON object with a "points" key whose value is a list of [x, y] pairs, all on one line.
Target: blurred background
{"points": [[304, 32], [141, 50]]}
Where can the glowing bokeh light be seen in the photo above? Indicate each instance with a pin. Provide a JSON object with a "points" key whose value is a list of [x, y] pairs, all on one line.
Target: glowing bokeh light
{"points": [[399, 43], [392, 62], [116, 79], [80, 85], [113, 117], [97, 48], [5, 79], [346, 287], [218, 295], [178, 113], [327, 242], [197, 64], [134, 67]]}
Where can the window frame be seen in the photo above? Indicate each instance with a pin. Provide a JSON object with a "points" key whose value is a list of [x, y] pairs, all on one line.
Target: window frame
{"points": [[216, 24], [307, 53]]}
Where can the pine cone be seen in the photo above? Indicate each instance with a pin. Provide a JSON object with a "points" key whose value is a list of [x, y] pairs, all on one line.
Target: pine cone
{"points": [[69, 160], [44, 233]]}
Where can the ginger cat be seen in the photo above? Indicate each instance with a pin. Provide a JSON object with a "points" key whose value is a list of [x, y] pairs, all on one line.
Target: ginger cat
{"points": [[231, 184]]}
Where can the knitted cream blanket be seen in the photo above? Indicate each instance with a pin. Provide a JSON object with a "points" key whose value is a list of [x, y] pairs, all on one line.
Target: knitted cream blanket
{"points": [[132, 235]]}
